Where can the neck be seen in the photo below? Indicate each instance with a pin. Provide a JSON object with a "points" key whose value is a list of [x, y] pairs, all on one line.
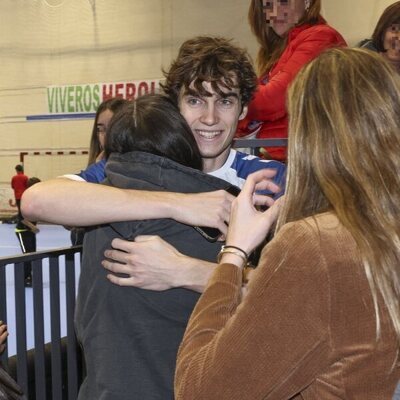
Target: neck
{"points": [[213, 164]]}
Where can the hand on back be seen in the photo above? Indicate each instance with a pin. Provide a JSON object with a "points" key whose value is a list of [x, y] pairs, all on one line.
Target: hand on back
{"points": [[149, 263]]}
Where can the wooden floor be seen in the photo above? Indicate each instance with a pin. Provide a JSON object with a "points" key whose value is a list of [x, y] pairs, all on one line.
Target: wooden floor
{"points": [[50, 236]]}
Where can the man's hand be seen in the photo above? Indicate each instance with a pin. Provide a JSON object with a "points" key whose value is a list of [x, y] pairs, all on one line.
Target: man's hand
{"points": [[210, 209], [152, 263]]}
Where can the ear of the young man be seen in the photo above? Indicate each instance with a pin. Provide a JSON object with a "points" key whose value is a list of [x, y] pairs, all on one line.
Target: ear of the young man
{"points": [[243, 113]]}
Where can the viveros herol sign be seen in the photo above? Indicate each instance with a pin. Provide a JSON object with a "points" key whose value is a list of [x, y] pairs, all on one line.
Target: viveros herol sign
{"points": [[71, 99]]}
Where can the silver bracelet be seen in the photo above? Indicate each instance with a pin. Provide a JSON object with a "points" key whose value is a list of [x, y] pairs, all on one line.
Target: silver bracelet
{"points": [[233, 250]]}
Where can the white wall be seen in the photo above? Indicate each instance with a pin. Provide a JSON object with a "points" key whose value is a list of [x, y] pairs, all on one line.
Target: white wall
{"points": [[62, 42]]}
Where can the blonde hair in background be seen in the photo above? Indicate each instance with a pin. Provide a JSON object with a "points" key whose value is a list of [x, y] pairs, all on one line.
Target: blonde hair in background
{"points": [[271, 44], [344, 156]]}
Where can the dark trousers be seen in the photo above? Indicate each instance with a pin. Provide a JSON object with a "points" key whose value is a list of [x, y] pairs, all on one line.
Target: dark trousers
{"points": [[18, 202], [27, 241]]}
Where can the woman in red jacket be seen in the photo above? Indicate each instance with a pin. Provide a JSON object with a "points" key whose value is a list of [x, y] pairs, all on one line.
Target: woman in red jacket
{"points": [[290, 33]]}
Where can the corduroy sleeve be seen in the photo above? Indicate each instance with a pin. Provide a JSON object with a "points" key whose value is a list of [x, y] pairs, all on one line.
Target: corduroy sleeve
{"points": [[271, 345]]}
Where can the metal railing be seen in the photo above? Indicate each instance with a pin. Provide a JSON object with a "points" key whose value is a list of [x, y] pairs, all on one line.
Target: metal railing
{"points": [[254, 143], [42, 375]]}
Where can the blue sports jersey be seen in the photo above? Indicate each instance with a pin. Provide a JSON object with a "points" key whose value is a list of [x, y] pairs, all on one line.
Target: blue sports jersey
{"points": [[236, 169], [239, 166], [94, 173]]}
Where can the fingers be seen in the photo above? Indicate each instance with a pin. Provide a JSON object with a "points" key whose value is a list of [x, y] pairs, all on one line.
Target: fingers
{"points": [[263, 200], [3, 328], [146, 238], [120, 244], [129, 246], [116, 268], [260, 180], [121, 281], [268, 185], [117, 255]]}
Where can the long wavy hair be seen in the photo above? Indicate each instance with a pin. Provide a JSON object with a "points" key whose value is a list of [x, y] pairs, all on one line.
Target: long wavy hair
{"points": [[271, 44], [344, 148], [113, 104]]}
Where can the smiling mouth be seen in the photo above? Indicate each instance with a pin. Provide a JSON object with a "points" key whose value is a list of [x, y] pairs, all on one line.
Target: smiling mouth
{"points": [[208, 134]]}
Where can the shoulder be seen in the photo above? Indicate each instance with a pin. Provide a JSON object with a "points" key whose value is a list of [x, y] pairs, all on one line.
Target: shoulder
{"points": [[320, 33], [367, 44], [140, 168], [94, 173], [245, 164], [315, 225], [319, 236]]}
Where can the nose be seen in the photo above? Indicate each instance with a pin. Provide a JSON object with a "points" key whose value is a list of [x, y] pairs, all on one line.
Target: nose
{"points": [[274, 9], [209, 115], [270, 9]]}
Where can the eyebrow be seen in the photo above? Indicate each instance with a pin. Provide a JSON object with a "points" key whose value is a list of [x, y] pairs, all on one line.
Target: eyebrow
{"points": [[191, 92]]}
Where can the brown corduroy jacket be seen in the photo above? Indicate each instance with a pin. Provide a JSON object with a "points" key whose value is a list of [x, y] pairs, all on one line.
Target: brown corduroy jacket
{"points": [[305, 330]]}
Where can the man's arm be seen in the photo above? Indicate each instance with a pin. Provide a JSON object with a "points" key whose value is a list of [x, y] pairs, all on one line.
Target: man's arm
{"points": [[68, 202], [152, 263]]}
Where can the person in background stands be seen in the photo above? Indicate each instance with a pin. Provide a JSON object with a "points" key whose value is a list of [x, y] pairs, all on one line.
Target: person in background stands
{"points": [[290, 34], [321, 318], [18, 184], [104, 113], [26, 233], [386, 37]]}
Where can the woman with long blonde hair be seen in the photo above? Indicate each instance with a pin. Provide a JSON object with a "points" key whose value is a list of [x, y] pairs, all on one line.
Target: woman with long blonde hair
{"points": [[321, 317], [290, 34]]}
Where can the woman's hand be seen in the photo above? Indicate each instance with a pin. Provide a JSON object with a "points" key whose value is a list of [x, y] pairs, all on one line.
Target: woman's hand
{"points": [[248, 227]]}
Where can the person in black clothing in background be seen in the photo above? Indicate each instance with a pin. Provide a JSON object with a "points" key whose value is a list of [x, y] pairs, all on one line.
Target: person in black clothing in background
{"points": [[26, 233]]}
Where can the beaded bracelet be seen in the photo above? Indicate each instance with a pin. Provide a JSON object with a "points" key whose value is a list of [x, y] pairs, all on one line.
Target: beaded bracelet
{"points": [[233, 250]]}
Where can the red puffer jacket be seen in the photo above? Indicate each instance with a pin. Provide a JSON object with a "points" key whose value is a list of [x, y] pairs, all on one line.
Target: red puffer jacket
{"points": [[267, 115]]}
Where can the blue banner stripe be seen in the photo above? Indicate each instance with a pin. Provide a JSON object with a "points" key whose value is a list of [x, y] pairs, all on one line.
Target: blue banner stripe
{"points": [[60, 116]]}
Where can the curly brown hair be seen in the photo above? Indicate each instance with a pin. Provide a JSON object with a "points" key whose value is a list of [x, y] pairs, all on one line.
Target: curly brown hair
{"points": [[210, 59]]}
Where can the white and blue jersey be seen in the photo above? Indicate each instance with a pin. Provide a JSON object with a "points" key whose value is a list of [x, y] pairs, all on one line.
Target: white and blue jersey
{"points": [[239, 166], [235, 170], [94, 173]]}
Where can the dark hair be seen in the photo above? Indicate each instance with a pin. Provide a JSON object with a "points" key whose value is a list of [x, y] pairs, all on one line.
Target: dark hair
{"points": [[390, 16], [271, 44], [153, 124], [112, 104], [32, 181], [19, 168], [210, 59]]}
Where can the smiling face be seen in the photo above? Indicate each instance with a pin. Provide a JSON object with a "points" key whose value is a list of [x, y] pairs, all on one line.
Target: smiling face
{"points": [[281, 15], [391, 43], [213, 121]]}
